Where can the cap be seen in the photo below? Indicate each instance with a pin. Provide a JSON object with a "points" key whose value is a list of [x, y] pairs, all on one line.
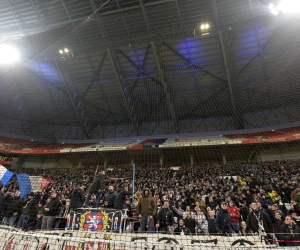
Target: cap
{"points": [[224, 203], [31, 194]]}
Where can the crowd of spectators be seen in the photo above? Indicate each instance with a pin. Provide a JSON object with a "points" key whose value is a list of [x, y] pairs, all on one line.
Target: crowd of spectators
{"points": [[206, 199]]}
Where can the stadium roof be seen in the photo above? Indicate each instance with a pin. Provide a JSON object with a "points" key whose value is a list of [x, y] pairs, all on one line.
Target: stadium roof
{"points": [[144, 67]]}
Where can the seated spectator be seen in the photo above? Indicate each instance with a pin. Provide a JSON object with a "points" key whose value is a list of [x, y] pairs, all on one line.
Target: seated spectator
{"points": [[37, 224], [182, 229], [290, 232], [244, 230]]}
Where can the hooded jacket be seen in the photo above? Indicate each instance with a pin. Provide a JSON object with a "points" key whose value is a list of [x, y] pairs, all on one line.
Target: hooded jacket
{"points": [[146, 206]]}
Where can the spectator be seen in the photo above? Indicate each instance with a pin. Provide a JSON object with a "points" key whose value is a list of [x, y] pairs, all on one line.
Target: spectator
{"points": [[36, 224], [77, 198], [290, 232], [13, 208], [29, 211], [223, 220], [201, 220], [165, 218], [121, 197], [110, 197], [211, 222], [51, 209], [146, 209], [259, 221], [234, 216], [182, 229], [96, 188], [191, 223], [278, 223], [244, 230]]}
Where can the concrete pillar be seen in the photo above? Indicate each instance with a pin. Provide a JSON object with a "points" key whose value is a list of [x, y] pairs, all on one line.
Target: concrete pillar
{"points": [[105, 162], [132, 161]]}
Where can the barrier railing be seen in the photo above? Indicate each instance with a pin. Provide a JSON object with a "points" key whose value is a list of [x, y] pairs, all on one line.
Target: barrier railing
{"points": [[11, 239]]}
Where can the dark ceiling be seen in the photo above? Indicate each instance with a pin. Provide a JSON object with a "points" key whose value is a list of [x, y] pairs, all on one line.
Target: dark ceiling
{"points": [[144, 67]]}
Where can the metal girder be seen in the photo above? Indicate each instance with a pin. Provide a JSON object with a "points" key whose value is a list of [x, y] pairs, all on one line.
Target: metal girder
{"points": [[257, 54], [99, 21], [71, 99], [165, 87], [237, 117], [122, 90], [146, 18], [196, 66]]}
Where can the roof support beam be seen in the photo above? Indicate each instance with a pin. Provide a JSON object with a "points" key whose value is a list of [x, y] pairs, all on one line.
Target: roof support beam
{"points": [[122, 91], [146, 18], [195, 66], [84, 129], [165, 87], [230, 74]]}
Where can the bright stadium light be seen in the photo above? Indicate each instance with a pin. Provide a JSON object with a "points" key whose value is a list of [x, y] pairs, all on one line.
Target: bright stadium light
{"points": [[8, 54], [61, 51], [285, 6], [66, 50], [204, 26]]}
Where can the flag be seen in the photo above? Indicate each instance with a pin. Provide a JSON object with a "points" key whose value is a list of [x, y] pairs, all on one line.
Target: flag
{"points": [[24, 184], [5, 175], [28, 184]]}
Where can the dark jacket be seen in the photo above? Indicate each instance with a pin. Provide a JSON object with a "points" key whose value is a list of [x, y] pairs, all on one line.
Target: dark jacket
{"points": [[223, 223], [77, 198], [165, 217], [212, 228], [178, 230], [120, 198], [2, 197], [35, 225], [252, 222], [146, 206], [30, 207], [191, 224], [54, 207], [290, 233], [97, 184], [110, 198], [14, 205]]}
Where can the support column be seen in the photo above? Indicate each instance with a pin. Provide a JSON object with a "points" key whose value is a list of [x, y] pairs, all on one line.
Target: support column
{"points": [[132, 161], [192, 159], [224, 158], [161, 160], [105, 162]]}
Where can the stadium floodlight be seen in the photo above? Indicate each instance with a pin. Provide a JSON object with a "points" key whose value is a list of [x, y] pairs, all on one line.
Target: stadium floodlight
{"points": [[61, 51], [204, 26], [8, 54], [285, 6], [66, 50]]}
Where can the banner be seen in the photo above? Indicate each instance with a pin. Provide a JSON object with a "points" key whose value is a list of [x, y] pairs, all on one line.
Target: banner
{"points": [[110, 220]]}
